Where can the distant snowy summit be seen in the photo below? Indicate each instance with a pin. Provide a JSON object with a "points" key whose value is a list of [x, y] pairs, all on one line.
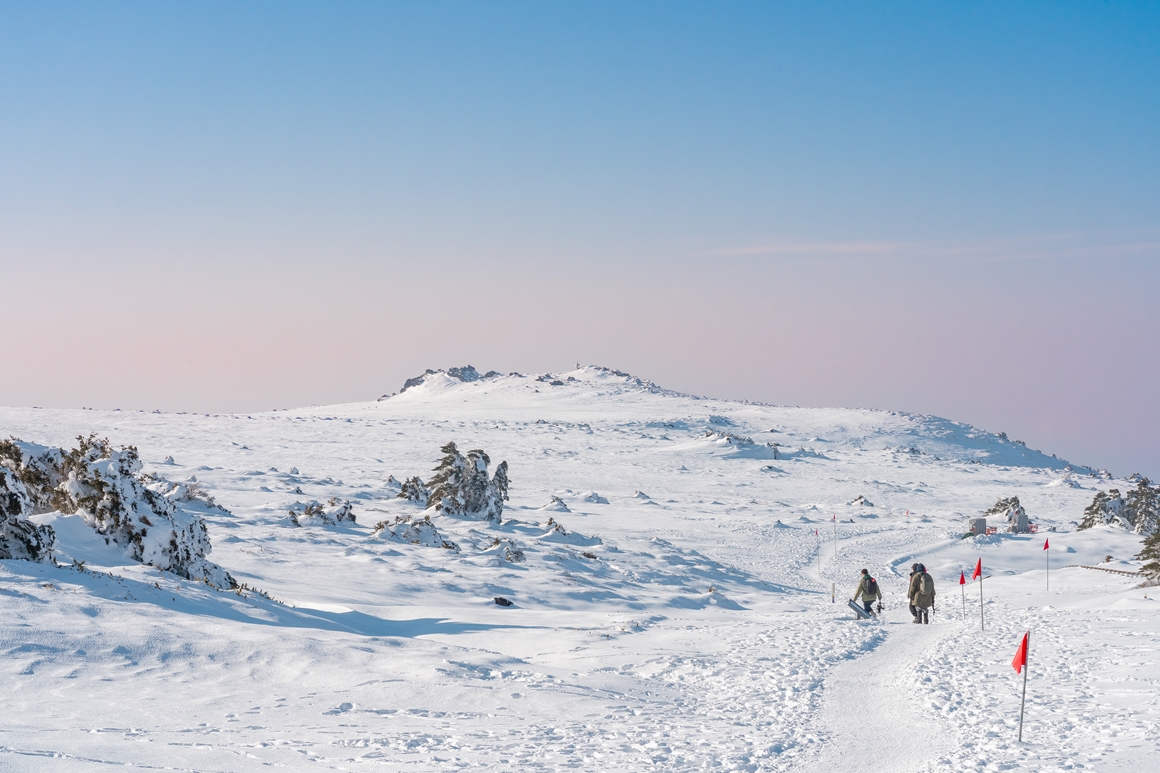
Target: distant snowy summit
{"points": [[740, 429], [435, 379]]}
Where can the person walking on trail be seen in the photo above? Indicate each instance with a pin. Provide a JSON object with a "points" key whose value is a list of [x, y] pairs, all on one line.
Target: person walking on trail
{"points": [[921, 594], [910, 594], [868, 592]]}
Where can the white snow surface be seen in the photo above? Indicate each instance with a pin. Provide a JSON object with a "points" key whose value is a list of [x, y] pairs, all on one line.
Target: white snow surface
{"points": [[689, 629]]}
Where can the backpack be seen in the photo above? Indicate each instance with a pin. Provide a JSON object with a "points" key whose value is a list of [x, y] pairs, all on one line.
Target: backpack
{"points": [[926, 583], [871, 587]]}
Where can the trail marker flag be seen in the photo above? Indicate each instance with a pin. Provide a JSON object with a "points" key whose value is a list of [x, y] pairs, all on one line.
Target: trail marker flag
{"points": [[978, 570], [1046, 543], [1020, 659], [1019, 663]]}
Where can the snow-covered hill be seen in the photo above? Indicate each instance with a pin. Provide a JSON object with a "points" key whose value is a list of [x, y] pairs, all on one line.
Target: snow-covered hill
{"points": [[668, 560]]}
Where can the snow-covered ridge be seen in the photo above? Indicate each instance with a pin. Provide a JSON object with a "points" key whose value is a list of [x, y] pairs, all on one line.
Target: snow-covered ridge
{"points": [[584, 394]]}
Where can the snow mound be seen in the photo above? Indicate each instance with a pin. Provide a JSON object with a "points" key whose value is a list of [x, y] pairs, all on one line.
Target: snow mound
{"points": [[557, 533], [413, 531], [860, 501], [593, 497], [727, 444], [557, 505], [507, 550]]}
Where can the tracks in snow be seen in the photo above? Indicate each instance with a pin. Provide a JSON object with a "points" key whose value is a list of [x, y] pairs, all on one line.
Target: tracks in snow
{"points": [[873, 713]]}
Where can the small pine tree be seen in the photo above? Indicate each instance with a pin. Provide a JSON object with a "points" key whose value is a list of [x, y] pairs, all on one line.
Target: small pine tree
{"points": [[497, 493], [447, 484], [1093, 514], [461, 485], [1104, 509], [1142, 507], [1150, 555]]}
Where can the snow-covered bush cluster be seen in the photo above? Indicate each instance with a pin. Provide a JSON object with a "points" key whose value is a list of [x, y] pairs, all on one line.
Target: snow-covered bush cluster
{"points": [[414, 531], [19, 537], [414, 490], [334, 512], [461, 485], [106, 487], [1139, 510], [1011, 511]]}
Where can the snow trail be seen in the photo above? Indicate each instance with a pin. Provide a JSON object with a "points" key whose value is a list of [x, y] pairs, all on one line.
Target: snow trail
{"points": [[872, 710]]}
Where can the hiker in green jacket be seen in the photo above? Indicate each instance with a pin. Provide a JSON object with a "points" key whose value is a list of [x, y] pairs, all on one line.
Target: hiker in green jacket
{"points": [[868, 591], [921, 594]]}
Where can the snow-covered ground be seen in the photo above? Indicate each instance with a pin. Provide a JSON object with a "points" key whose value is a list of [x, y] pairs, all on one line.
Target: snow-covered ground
{"points": [[672, 612]]}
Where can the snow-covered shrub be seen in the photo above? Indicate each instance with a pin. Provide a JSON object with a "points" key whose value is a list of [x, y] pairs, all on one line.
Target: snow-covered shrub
{"points": [[861, 501], [1011, 511], [414, 490], [1106, 508], [461, 485], [334, 512], [1142, 507], [19, 537], [557, 505], [414, 531], [106, 488]]}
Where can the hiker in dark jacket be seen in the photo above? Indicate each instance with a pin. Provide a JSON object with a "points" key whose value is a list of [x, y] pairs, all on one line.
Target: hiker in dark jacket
{"points": [[921, 594], [868, 591]]}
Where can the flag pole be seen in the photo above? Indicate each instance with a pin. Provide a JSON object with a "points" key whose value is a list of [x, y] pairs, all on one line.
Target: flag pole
{"points": [[1047, 555], [1023, 703], [982, 620]]}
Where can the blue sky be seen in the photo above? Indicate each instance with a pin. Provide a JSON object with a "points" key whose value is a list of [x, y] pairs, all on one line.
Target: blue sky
{"points": [[933, 207]]}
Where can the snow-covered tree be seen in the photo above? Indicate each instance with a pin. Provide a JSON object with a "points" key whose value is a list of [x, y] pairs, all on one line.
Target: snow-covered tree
{"points": [[461, 485], [1150, 555], [1142, 507], [1105, 508], [1010, 510]]}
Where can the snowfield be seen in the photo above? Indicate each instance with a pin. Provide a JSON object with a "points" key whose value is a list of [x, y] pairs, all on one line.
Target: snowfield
{"points": [[669, 561]]}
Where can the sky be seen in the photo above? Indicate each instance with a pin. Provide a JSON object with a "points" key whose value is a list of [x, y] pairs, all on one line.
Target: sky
{"points": [[940, 208]]}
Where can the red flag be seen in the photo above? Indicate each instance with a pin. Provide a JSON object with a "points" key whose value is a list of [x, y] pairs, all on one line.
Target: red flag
{"points": [[1020, 660], [962, 578], [834, 517], [1046, 544], [978, 570], [815, 532]]}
